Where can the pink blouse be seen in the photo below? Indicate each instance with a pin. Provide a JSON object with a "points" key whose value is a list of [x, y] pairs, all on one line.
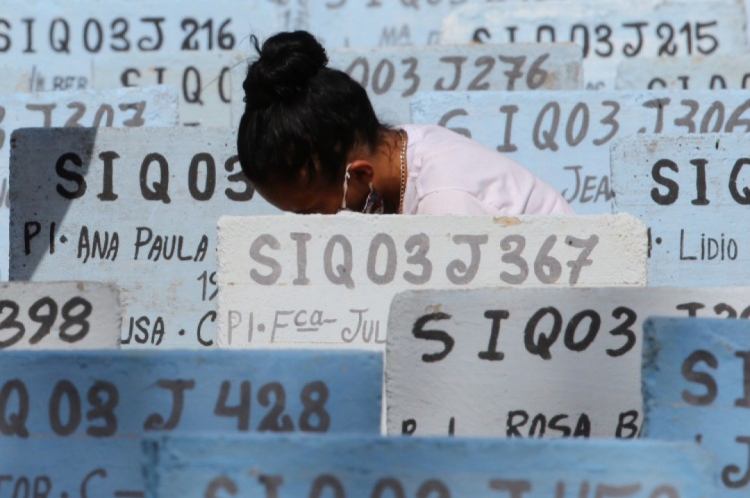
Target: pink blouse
{"points": [[451, 174]]}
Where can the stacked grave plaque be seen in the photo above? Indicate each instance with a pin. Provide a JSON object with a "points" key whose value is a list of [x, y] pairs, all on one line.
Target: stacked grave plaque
{"points": [[132, 108], [608, 32], [59, 315], [694, 194], [357, 466], [72, 422], [323, 281], [133, 207], [97, 44], [685, 73], [460, 362], [564, 137], [393, 75], [406, 22], [696, 383], [203, 80]]}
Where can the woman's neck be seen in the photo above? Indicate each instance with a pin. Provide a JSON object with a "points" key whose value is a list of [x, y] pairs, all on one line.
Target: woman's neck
{"points": [[387, 162]]}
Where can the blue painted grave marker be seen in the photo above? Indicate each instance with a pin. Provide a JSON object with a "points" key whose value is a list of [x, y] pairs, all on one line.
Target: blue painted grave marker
{"points": [[685, 73], [388, 23], [203, 80], [696, 385], [280, 466], [564, 137], [80, 417], [608, 32], [393, 75]]}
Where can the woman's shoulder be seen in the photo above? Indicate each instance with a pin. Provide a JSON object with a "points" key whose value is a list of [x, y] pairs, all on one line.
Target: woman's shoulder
{"points": [[434, 134], [446, 161]]}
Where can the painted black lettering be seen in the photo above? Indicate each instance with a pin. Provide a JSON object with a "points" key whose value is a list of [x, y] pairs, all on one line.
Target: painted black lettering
{"points": [[433, 335], [155, 421], [673, 189], [703, 378], [69, 175], [492, 354], [157, 191], [541, 345]]}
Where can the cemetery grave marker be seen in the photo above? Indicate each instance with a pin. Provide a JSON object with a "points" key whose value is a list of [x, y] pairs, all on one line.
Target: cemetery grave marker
{"points": [[152, 106], [564, 137], [59, 315], [685, 73], [134, 207], [205, 466], [529, 362], [696, 382], [404, 22], [203, 81], [97, 28], [609, 32], [328, 281], [392, 75], [73, 422], [693, 193]]}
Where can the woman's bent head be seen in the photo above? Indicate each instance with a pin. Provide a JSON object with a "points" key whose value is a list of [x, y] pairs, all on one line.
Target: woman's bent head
{"points": [[302, 120]]}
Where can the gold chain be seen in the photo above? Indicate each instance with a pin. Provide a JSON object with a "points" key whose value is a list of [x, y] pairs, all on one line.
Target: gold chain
{"points": [[403, 171]]}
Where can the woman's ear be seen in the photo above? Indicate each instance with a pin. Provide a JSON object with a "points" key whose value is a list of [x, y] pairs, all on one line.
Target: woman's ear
{"points": [[361, 171]]}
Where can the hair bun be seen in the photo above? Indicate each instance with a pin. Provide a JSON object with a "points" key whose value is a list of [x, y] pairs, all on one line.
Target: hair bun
{"points": [[287, 63]]}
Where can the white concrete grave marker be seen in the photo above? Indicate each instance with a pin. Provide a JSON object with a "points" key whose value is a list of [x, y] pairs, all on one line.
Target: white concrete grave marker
{"points": [[529, 362], [693, 192], [685, 73], [131, 107], [564, 137], [392, 75], [609, 32], [203, 80], [134, 207], [327, 281], [59, 315]]}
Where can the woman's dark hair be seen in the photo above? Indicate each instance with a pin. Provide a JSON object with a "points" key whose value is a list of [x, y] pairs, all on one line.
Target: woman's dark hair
{"points": [[298, 112]]}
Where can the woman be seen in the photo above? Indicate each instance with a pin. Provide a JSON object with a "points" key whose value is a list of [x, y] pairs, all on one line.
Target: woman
{"points": [[310, 142]]}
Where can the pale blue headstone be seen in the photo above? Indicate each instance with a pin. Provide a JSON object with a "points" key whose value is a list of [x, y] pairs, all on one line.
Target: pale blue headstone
{"points": [[66, 415], [564, 137], [214, 466], [685, 73], [608, 32], [693, 192], [696, 384], [370, 23]]}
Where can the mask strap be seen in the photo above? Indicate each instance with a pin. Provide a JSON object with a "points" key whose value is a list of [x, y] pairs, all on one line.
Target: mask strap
{"points": [[346, 186]]}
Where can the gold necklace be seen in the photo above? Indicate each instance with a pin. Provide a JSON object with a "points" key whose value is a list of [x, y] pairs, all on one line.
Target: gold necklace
{"points": [[403, 171]]}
